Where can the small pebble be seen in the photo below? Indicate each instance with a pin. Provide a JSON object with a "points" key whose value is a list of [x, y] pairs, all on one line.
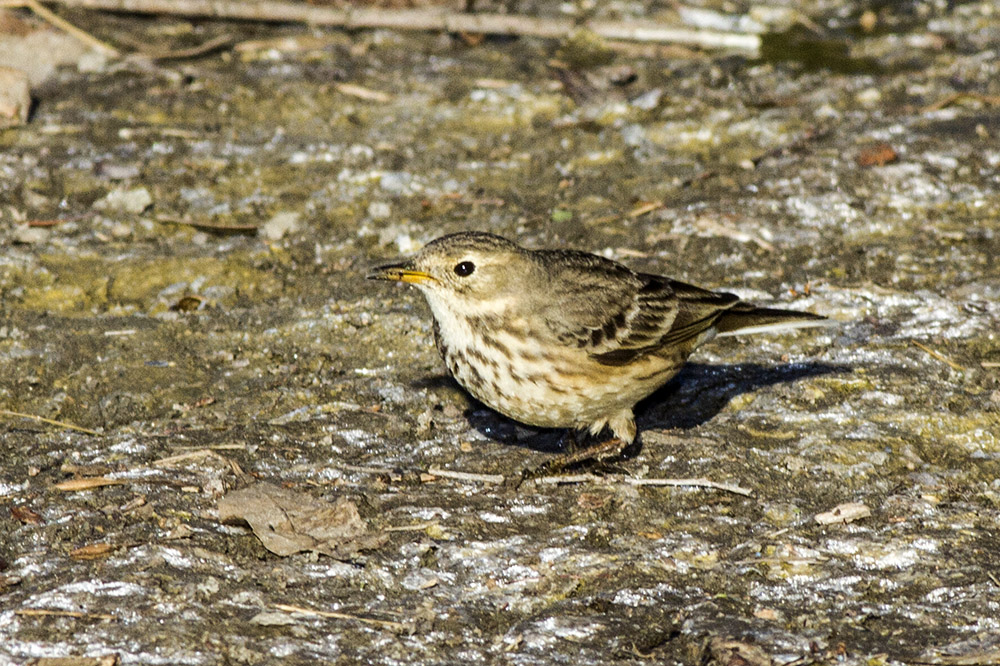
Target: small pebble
{"points": [[133, 200], [280, 225], [26, 235], [15, 97]]}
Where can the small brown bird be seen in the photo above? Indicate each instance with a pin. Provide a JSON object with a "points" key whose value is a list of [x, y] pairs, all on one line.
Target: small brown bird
{"points": [[567, 339]]}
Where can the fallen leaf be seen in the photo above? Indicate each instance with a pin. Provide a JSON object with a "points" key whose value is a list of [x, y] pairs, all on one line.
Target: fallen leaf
{"points": [[188, 303], [592, 501], [735, 653], [877, 154], [26, 515], [289, 522], [843, 513]]}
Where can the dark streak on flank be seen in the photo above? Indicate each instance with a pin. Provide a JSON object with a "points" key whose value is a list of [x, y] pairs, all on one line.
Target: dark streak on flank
{"points": [[491, 341], [546, 381], [482, 358]]}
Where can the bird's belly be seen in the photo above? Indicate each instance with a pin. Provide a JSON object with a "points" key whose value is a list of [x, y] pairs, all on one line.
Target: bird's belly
{"points": [[554, 390]]}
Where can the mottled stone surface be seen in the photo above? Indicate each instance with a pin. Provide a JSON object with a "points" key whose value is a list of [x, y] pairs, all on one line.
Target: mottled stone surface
{"points": [[136, 301]]}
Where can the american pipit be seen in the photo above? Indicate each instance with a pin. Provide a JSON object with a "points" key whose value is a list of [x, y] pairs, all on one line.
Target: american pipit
{"points": [[567, 339]]}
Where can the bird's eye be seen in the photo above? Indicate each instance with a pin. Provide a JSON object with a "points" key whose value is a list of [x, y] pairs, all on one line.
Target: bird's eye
{"points": [[464, 268]]}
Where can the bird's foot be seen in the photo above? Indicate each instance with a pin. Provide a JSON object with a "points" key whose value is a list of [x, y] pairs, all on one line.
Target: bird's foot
{"points": [[599, 452]]}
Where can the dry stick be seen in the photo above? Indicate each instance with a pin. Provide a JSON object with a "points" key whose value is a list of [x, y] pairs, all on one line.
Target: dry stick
{"points": [[465, 476], [63, 24], [419, 527], [62, 613], [61, 424], [938, 355], [88, 483], [559, 479], [387, 624], [696, 483], [365, 469], [194, 51], [424, 19]]}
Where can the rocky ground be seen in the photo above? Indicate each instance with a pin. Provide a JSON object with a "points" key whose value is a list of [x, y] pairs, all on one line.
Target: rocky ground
{"points": [[182, 296]]}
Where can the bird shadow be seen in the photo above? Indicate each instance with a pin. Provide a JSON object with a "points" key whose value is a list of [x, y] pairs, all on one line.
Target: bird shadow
{"points": [[701, 390], [693, 397]]}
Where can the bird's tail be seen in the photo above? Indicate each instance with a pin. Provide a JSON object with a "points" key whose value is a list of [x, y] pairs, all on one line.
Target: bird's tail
{"points": [[745, 318]]}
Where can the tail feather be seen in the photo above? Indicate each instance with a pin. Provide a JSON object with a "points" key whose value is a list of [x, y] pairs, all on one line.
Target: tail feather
{"points": [[744, 318]]}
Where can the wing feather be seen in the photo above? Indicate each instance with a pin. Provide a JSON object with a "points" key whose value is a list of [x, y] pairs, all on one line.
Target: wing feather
{"points": [[625, 314], [592, 321], [669, 313]]}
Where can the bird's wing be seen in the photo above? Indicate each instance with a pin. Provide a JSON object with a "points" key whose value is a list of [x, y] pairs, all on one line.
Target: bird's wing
{"points": [[668, 313], [586, 299], [617, 315]]}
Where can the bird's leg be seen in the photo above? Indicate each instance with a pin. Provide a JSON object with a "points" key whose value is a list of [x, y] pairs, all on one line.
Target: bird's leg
{"points": [[571, 442], [609, 448]]}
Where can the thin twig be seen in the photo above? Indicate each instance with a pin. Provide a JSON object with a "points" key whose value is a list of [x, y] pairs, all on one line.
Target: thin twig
{"points": [[465, 476], [62, 613], [938, 355], [986, 658], [560, 479], [364, 469], [695, 483], [189, 455], [419, 527], [710, 226], [88, 483], [209, 227], [195, 51], [61, 424], [386, 624], [948, 100], [63, 24], [425, 19], [367, 94]]}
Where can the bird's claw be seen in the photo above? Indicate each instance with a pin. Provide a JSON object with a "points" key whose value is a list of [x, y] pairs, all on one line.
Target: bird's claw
{"points": [[611, 448]]}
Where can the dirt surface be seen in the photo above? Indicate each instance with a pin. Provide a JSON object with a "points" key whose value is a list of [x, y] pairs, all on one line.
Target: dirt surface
{"points": [[183, 250]]}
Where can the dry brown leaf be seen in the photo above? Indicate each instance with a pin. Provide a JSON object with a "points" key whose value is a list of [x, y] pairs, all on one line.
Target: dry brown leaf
{"points": [[737, 653], [188, 303], [289, 522], [26, 515], [876, 154]]}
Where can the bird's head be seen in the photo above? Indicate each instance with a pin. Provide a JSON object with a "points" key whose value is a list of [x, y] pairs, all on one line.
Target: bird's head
{"points": [[474, 269]]}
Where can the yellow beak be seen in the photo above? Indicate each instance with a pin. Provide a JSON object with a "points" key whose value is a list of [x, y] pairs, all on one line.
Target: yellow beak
{"points": [[400, 273]]}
